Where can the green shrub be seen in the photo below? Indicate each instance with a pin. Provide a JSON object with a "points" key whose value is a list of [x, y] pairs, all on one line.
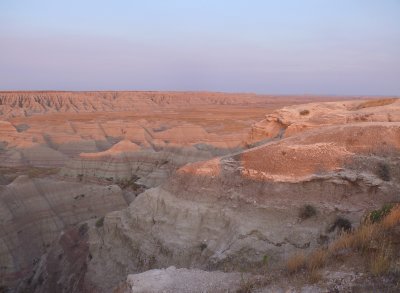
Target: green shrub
{"points": [[377, 215], [100, 222], [304, 112], [265, 260]]}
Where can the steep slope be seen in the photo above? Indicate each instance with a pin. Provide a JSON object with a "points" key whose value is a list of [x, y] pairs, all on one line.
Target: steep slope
{"points": [[34, 211]]}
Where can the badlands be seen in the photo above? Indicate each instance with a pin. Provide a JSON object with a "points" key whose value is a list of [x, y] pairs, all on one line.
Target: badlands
{"points": [[198, 192]]}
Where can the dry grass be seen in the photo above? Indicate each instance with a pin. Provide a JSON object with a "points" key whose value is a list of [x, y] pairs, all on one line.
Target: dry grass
{"points": [[343, 243], [371, 242], [296, 263], [249, 284], [380, 265], [381, 260], [317, 259], [392, 219], [364, 237], [314, 276], [375, 103], [246, 286], [368, 234]]}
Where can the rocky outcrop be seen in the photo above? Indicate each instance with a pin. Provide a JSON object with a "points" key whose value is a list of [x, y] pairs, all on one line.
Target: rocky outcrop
{"points": [[150, 167], [34, 211], [159, 230], [295, 119], [236, 212]]}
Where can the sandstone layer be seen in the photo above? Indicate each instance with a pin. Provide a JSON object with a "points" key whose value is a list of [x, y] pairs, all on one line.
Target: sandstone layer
{"points": [[213, 195], [240, 211]]}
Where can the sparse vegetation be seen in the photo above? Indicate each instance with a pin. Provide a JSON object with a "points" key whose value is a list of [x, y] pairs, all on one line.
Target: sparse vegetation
{"points": [[295, 263], [265, 261], [304, 112], [307, 211], [249, 284], [100, 222], [371, 241], [246, 285], [378, 215], [317, 259], [363, 239], [314, 276], [381, 261], [129, 183], [392, 219]]}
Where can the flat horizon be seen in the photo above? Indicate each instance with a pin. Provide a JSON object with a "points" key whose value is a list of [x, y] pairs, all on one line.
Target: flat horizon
{"points": [[201, 91]]}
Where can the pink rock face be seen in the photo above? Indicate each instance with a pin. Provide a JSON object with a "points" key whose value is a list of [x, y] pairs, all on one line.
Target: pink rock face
{"points": [[303, 140], [324, 149], [47, 129], [227, 184], [295, 119]]}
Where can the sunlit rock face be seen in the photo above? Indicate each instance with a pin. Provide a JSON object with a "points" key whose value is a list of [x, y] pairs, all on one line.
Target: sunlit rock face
{"points": [[195, 181], [47, 129], [295, 119], [235, 211]]}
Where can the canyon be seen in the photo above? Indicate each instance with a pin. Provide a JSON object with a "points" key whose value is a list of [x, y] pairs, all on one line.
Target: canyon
{"points": [[191, 191]]}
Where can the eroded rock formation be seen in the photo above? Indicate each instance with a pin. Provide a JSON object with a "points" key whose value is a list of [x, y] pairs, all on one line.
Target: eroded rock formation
{"points": [[213, 207]]}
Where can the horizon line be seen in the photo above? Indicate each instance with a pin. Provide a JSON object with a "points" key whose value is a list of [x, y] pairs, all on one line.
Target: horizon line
{"points": [[200, 91]]}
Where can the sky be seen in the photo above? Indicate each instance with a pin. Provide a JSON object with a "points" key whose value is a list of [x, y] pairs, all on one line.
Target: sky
{"points": [[333, 47]]}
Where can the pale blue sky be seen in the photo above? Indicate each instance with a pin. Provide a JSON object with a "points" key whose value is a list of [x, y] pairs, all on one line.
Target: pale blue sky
{"points": [[283, 46]]}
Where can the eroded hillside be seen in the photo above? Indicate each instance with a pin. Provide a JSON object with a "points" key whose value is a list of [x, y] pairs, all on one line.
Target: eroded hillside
{"points": [[208, 184]]}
